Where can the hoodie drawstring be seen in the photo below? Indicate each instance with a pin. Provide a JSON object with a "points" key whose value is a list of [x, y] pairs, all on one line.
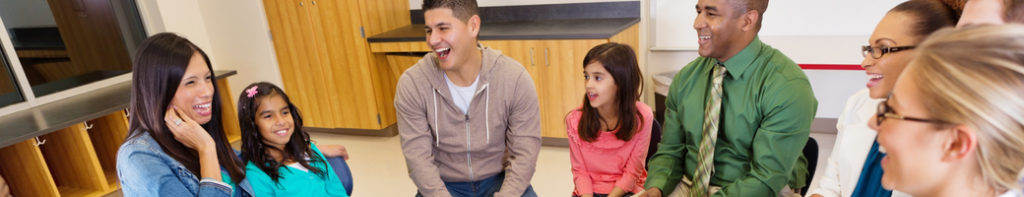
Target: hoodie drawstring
{"points": [[487, 111], [437, 135]]}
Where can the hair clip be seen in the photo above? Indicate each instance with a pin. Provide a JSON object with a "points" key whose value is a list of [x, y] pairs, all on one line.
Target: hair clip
{"points": [[251, 91]]}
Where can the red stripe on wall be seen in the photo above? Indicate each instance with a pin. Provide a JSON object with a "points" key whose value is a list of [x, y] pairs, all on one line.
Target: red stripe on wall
{"points": [[831, 67]]}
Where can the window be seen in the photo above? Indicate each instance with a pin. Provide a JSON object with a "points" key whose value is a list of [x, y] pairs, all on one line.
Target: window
{"points": [[62, 44], [9, 93]]}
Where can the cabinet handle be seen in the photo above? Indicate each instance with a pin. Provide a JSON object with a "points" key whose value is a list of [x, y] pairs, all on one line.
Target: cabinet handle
{"points": [[301, 4], [531, 58], [547, 61], [314, 2]]}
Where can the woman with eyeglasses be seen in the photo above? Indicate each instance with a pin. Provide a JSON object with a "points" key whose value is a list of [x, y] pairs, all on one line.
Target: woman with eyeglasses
{"points": [[954, 124], [852, 169]]}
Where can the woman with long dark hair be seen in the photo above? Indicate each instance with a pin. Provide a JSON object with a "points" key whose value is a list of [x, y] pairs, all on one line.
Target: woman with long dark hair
{"points": [[176, 145]]}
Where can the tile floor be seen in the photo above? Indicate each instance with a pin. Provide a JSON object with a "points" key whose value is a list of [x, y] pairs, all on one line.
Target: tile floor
{"points": [[379, 167]]}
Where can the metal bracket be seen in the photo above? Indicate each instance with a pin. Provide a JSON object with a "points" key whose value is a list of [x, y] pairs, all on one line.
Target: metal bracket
{"points": [[362, 32]]}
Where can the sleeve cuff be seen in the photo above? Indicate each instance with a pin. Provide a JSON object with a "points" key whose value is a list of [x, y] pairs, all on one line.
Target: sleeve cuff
{"points": [[823, 192], [660, 184], [626, 185], [217, 184]]}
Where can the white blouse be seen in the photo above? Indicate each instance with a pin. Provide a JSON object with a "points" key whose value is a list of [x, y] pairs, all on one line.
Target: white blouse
{"points": [[853, 141]]}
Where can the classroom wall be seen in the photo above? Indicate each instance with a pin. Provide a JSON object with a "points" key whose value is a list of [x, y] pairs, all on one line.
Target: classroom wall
{"points": [[241, 41], [831, 87], [417, 4], [26, 13], [238, 39], [808, 31]]}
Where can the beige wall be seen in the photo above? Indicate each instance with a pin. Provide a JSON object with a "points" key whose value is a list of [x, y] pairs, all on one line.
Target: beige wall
{"points": [[233, 32], [417, 4]]}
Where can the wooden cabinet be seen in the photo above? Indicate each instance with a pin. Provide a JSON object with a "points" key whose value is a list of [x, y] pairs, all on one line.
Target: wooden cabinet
{"points": [[75, 161], [523, 51], [562, 82], [325, 61], [556, 67], [557, 71]]}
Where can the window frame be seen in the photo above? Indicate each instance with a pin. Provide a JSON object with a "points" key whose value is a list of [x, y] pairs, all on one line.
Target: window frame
{"points": [[18, 72]]}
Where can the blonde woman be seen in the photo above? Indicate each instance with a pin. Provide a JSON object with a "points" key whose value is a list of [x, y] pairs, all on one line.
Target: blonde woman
{"points": [[954, 124]]}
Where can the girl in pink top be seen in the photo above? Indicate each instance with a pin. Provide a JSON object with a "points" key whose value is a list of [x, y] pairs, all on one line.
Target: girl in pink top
{"points": [[610, 133]]}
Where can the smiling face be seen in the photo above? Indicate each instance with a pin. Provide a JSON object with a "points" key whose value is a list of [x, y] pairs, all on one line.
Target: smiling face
{"points": [[719, 29], [882, 73], [195, 91], [601, 88], [274, 120], [915, 150], [451, 39]]}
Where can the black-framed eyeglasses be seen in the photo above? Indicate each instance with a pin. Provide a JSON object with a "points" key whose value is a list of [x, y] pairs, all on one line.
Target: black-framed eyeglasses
{"points": [[884, 111], [878, 52]]}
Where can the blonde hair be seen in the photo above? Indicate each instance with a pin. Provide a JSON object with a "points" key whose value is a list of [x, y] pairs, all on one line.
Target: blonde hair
{"points": [[975, 76]]}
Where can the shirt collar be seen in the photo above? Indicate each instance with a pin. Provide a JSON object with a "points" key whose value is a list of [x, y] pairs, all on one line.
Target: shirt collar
{"points": [[742, 60]]}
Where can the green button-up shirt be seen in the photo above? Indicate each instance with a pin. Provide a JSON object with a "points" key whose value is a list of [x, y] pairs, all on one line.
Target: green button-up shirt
{"points": [[767, 109]]}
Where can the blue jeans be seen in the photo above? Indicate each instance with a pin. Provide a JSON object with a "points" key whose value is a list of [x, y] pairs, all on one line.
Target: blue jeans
{"points": [[482, 188]]}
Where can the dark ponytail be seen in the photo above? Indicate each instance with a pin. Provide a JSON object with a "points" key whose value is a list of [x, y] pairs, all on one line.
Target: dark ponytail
{"points": [[930, 16]]}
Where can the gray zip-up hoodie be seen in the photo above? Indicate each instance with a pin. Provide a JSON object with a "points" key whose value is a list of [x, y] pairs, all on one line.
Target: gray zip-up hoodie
{"points": [[501, 132]]}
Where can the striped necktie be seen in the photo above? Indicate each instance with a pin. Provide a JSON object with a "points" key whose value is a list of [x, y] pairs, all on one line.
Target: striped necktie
{"points": [[706, 154]]}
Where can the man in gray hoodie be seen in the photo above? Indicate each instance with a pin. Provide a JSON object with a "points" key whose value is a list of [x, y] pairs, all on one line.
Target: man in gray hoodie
{"points": [[468, 116]]}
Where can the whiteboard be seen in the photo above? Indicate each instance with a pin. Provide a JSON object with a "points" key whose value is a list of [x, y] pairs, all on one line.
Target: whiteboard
{"points": [[673, 20]]}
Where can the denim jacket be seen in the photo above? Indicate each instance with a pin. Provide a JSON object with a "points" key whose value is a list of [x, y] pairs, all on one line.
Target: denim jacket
{"points": [[145, 170]]}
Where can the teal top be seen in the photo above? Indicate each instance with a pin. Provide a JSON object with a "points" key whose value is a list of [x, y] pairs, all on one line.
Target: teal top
{"points": [[295, 182], [767, 109], [227, 179]]}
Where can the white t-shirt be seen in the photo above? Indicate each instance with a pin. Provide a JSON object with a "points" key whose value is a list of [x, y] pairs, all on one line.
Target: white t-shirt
{"points": [[462, 95], [298, 166]]}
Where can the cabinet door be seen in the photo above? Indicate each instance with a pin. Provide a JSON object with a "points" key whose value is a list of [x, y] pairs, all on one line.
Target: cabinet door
{"points": [[561, 72], [523, 51], [344, 54], [299, 60]]}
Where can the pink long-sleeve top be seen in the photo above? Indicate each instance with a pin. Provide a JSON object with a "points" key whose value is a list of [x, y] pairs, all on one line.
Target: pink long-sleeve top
{"points": [[600, 166]]}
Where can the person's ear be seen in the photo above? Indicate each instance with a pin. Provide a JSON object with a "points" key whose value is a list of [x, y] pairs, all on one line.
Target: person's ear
{"points": [[750, 20], [962, 141], [474, 25]]}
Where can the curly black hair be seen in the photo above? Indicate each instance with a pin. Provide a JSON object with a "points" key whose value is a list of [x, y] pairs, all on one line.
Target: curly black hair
{"points": [[255, 150]]}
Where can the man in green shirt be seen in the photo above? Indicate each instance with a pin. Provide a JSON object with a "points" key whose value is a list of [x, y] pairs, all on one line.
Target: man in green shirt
{"points": [[765, 106]]}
